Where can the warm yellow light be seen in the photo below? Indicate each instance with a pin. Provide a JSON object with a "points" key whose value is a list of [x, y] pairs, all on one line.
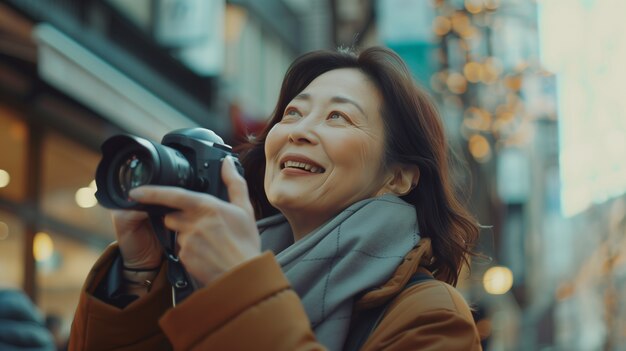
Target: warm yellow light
{"points": [[441, 25], [470, 32], [504, 113], [473, 6], [4, 231], [93, 185], [460, 22], [479, 148], [5, 178], [477, 119], [491, 4], [498, 280], [86, 197], [513, 82], [42, 246], [456, 83], [492, 68], [473, 71]]}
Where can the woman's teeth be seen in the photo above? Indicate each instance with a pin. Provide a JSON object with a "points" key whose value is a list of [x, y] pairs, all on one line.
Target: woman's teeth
{"points": [[302, 165]]}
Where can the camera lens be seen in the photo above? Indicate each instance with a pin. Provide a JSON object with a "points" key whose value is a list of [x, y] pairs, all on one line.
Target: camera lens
{"points": [[129, 162], [133, 171], [129, 169]]}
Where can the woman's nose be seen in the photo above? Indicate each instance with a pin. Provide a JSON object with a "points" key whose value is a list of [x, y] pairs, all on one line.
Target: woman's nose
{"points": [[303, 133]]}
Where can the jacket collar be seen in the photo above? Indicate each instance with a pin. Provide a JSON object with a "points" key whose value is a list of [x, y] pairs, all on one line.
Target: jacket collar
{"points": [[419, 257]]}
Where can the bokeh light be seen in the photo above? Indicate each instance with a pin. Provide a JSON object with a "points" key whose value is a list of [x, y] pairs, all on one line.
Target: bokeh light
{"points": [[498, 280], [492, 4], [473, 71], [479, 148], [441, 25], [86, 197], [5, 178], [43, 247], [474, 6], [456, 83]]}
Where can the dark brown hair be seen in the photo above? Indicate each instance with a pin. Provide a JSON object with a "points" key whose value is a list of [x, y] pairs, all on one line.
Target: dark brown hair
{"points": [[414, 135]]}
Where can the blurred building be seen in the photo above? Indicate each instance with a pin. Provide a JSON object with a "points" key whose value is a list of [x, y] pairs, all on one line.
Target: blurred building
{"points": [[479, 59], [529, 92], [73, 73]]}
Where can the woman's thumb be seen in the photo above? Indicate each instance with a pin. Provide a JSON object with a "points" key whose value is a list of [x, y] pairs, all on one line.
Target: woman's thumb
{"points": [[235, 183]]}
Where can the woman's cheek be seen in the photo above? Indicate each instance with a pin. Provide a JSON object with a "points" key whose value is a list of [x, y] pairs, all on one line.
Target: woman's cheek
{"points": [[272, 147], [273, 141]]}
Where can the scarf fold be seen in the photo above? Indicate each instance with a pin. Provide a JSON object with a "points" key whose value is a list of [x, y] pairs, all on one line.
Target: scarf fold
{"points": [[357, 250]]}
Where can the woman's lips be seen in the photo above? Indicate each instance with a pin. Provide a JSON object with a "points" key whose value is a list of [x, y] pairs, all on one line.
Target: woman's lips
{"points": [[297, 172], [301, 163]]}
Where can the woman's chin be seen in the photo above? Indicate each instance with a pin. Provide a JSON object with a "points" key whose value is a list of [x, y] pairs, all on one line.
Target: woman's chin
{"points": [[285, 201], [292, 201]]}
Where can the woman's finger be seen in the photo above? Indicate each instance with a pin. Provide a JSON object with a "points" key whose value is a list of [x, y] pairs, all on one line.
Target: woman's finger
{"points": [[173, 197], [176, 221], [236, 185]]}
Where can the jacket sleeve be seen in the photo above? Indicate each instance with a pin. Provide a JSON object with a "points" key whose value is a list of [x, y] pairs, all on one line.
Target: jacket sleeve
{"points": [[251, 307], [98, 325], [439, 319]]}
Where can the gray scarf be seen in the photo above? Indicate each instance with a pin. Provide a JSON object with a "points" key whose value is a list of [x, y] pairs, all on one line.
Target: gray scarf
{"points": [[357, 250]]}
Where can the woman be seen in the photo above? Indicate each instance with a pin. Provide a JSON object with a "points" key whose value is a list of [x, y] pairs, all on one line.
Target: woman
{"points": [[350, 183]]}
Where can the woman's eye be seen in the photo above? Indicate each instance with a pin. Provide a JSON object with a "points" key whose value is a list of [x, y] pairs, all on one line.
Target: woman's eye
{"points": [[338, 117], [292, 113]]}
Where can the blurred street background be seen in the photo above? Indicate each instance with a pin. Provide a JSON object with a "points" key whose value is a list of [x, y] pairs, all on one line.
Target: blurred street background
{"points": [[532, 92]]}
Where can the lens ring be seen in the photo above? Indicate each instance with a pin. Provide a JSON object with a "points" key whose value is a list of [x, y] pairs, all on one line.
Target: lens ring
{"points": [[129, 170], [133, 172]]}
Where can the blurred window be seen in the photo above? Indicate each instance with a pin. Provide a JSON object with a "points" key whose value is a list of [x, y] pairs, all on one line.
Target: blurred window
{"points": [[62, 266], [63, 257], [66, 203], [13, 148], [588, 61], [11, 251], [68, 186]]}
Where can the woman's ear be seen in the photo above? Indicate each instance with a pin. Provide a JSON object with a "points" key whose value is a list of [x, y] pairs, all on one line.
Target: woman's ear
{"points": [[401, 180]]}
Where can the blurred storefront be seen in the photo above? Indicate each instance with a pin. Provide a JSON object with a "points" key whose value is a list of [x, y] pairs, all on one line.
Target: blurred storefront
{"points": [[73, 73], [66, 84]]}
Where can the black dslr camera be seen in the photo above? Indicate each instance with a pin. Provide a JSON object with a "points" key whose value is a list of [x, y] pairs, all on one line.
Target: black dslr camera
{"points": [[189, 158]]}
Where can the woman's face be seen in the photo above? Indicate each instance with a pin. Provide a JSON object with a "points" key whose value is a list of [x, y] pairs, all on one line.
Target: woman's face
{"points": [[327, 151]]}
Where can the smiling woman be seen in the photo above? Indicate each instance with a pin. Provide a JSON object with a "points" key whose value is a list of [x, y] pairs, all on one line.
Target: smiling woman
{"points": [[332, 133], [350, 191]]}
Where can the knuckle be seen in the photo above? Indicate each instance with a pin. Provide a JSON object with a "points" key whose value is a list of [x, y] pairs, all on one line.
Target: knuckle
{"points": [[171, 221]]}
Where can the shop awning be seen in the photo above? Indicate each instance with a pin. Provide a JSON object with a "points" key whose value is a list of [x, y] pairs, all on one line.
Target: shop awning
{"points": [[73, 69]]}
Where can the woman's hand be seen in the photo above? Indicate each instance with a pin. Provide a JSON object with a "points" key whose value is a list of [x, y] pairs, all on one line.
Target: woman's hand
{"points": [[213, 235], [138, 244]]}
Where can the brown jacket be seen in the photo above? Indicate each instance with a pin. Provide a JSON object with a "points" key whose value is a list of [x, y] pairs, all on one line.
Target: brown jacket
{"points": [[254, 308]]}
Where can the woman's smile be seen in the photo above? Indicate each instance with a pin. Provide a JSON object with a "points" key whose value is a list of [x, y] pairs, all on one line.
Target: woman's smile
{"points": [[295, 164], [327, 151]]}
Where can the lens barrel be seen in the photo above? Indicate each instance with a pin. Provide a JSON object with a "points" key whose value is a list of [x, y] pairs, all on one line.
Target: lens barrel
{"points": [[129, 161]]}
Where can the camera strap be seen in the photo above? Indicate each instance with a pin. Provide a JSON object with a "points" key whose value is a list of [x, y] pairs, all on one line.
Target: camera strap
{"points": [[181, 282]]}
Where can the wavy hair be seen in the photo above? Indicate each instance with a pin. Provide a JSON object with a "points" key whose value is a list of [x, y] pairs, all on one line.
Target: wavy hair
{"points": [[414, 134]]}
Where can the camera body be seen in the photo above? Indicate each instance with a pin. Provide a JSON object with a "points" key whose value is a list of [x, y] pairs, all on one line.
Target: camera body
{"points": [[189, 158]]}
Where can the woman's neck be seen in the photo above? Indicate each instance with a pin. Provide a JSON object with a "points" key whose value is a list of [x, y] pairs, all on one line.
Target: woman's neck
{"points": [[302, 225]]}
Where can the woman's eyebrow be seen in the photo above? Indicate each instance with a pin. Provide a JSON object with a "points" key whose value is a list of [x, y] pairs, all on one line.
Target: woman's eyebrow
{"points": [[338, 99]]}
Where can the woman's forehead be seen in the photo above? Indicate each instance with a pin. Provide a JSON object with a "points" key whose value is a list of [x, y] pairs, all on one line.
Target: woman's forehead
{"points": [[344, 85]]}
